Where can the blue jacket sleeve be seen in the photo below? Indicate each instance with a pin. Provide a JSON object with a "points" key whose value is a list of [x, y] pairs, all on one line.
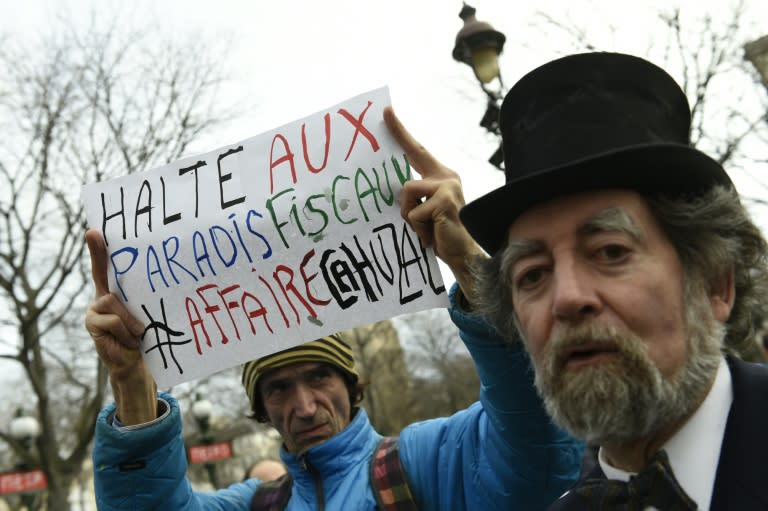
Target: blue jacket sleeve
{"points": [[501, 453], [145, 469]]}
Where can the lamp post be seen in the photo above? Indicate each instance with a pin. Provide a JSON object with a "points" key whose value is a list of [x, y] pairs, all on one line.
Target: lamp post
{"points": [[201, 411], [478, 45], [25, 429], [756, 53]]}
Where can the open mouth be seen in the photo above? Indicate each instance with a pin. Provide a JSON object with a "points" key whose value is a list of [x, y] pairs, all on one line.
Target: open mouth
{"points": [[586, 355]]}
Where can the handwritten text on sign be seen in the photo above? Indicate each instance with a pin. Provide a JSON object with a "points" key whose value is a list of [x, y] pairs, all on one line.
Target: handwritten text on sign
{"points": [[270, 242]]}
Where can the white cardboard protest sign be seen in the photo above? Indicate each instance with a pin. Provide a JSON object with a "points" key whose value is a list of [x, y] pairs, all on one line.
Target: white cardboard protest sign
{"points": [[267, 243]]}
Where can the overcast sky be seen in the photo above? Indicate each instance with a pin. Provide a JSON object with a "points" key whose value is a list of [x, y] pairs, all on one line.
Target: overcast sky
{"points": [[290, 58]]}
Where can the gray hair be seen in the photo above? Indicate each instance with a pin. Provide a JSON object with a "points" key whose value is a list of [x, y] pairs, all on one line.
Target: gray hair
{"points": [[711, 233]]}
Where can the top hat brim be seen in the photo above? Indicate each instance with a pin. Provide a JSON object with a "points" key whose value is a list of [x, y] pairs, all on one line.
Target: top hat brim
{"points": [[669, 169]]}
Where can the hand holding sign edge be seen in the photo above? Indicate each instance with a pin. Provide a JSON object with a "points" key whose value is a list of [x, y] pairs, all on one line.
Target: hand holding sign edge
{"points": [[115, 333], [431, 207]]}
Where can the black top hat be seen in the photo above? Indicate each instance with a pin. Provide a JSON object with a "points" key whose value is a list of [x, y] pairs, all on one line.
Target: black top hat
{"points": [[590, 121]]}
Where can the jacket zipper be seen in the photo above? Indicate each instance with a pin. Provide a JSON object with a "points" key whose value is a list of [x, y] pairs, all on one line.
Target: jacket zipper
{"points": [[305, 465]]}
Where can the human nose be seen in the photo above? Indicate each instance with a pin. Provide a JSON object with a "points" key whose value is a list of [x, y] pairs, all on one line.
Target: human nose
{"points": [[575, 296], [304, 403]]}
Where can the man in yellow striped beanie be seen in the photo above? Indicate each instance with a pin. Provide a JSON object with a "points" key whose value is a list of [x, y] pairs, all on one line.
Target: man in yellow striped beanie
{"points": [[319, 374]]}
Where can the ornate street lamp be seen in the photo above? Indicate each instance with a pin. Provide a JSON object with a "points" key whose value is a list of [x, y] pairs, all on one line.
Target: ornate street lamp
{"points": [[478, 45], [25, 429], [201, 411], [756, 53]]}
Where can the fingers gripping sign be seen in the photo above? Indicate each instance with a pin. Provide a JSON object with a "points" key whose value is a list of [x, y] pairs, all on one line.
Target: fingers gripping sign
{"points": [[107, 315], [431, 205], [114, 330], [116, 334]]}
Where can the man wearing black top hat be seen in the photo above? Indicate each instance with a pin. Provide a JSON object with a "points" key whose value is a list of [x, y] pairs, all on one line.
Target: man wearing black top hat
{"points": [[624, 260]]}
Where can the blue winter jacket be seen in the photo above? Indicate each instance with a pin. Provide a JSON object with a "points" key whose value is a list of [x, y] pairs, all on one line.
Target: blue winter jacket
{"points": [[501, 453]]}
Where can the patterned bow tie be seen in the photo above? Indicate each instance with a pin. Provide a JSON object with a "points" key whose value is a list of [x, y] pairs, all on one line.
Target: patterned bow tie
{"points": [[654, 486]]}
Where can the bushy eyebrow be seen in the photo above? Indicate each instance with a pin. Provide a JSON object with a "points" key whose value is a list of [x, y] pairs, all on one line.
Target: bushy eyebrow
{"points": [[319, 370], [612, 220], [607, 220], [519, 249]]}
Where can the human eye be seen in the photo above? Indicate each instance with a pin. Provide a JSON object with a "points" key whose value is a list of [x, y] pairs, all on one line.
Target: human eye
{"points": [[275, 388], [613, 252], [528, 278]]}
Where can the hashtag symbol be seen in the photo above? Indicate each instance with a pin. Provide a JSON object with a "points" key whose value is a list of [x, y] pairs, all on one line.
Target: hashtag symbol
{"points": [[167, 333]]}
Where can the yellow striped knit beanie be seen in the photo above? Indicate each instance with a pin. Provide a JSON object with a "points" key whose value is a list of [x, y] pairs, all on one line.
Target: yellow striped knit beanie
{"points": [[329, 349]]}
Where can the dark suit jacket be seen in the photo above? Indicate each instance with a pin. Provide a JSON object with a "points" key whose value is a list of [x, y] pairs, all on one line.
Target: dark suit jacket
{"points": [[741, 483]]}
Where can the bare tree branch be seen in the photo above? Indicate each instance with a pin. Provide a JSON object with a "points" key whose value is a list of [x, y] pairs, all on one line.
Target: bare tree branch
{"points": [[78, 107]]}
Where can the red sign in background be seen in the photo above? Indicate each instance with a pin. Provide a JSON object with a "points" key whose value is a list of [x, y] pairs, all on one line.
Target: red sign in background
{"points": [[21, 482], [208, 453]]}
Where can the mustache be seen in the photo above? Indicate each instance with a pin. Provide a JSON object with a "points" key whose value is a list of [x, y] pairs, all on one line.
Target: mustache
{"points": [[574, 340]]}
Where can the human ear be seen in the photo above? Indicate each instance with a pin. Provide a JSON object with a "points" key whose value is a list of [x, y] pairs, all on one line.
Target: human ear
{"points": [[722, 294]]}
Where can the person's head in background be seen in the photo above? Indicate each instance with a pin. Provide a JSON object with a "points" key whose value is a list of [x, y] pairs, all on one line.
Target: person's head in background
{"points": [[308, 393], [266, 470]]}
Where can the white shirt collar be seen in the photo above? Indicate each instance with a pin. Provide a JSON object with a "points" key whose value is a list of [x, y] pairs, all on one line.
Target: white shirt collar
{"points": [[695, 466]]}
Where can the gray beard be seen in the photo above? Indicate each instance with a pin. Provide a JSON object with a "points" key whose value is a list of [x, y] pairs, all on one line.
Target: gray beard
{"points": [[627, 399]]}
